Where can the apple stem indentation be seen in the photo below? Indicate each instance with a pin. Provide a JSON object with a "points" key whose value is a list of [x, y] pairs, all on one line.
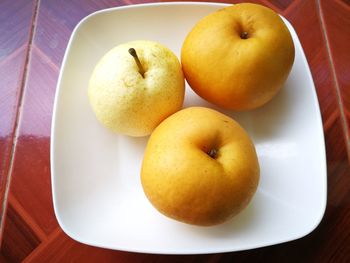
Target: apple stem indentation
{"points": [[133, 53], [244, 35], [212, 153]]}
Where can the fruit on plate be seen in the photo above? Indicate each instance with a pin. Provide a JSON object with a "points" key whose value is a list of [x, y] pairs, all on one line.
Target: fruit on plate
{"points": [[238, 57], [135, 86], [200, 167]]}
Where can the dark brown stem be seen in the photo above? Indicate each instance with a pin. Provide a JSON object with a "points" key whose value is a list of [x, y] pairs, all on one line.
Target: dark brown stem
{"points": [[244, 35], [133, 53], [212, 153]]}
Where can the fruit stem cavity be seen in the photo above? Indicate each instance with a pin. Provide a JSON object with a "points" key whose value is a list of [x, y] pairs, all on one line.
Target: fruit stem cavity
{"points": [[244, 35], [212, 153], [133, 53]]}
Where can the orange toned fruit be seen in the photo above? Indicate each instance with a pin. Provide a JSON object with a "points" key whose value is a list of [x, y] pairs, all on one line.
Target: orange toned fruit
{"points": [[238, 57], [200, 167]]}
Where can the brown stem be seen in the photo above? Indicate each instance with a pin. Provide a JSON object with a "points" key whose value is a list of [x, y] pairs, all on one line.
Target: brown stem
{"points": [[212, 153], [244, 35], [133, 53]]}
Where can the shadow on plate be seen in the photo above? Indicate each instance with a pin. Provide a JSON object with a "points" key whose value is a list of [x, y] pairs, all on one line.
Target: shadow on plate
{"points": [[262, 123], [234, 226]]}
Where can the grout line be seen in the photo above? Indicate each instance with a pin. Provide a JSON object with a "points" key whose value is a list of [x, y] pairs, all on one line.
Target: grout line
{"points": [[331, 120], [18, 116], [128, 2], [27, 219], [37, 252], [291, 6], [344, 5], [273, 7], [12, 55], [335, 80], [47, 58]]}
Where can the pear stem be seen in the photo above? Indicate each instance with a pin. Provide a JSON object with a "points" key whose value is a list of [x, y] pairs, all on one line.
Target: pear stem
{"points": [[244, 35], [212, 153], [133, 53]]}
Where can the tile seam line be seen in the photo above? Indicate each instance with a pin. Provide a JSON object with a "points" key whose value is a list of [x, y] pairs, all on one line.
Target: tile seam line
{"points": [[291, 7], [335, 79], [18, 116], [37, 252]]}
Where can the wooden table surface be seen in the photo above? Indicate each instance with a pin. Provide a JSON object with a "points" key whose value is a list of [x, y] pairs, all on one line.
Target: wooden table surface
{"points": [[33, 38]]}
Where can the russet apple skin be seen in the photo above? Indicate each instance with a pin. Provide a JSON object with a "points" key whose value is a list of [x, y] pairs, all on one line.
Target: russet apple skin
{"points": [[184, 182], [128, 103], [230, 70]]}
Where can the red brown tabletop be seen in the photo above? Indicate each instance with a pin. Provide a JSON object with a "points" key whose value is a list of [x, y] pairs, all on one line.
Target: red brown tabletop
{"points": [[33, 38]]}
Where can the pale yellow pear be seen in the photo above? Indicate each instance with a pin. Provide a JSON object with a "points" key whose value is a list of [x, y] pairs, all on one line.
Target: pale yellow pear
{"points": [[131, 102]]}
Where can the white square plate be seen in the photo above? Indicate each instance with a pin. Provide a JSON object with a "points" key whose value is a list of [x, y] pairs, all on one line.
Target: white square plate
{"points": [[97, 194]]}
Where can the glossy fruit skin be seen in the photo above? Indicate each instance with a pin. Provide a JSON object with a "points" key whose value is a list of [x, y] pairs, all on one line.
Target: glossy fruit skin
{"points": [[234, 70], [184, 182], [131, 104]]}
